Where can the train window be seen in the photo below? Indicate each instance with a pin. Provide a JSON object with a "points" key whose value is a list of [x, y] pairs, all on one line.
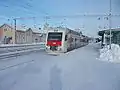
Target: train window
{"points": [[66, 37], [55, 36], [75, 39]]}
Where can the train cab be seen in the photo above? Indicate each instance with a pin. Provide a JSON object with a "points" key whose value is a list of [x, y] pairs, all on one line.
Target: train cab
{"points": [[55, 41], [61, 40]]}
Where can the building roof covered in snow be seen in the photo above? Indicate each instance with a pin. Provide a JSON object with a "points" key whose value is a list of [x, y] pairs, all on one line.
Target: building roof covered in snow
{"points": [[107, 31], [6, 25]]}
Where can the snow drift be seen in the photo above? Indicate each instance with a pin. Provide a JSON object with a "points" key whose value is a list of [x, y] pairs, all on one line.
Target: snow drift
{"points": [[111, 55]]}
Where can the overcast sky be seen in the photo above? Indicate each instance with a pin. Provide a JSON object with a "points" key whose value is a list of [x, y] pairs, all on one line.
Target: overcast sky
{"points": [[40, 8]]}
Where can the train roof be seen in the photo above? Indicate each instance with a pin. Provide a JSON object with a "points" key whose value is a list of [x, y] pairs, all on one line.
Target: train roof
{"points": [[63, 29]]}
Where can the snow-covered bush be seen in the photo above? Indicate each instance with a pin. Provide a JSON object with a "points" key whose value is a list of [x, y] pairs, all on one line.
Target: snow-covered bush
{"points": [[111, 55]]}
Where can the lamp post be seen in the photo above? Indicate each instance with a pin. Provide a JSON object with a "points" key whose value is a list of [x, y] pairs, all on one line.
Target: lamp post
{"points": [[15, 29], [110, 22]]}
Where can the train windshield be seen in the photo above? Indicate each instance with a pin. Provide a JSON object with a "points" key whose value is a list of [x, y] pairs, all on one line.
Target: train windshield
{"points": [[55, 36]]}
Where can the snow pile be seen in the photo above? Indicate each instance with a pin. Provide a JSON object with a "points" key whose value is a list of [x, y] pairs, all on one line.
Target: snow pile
{"points": [[111, 55]]}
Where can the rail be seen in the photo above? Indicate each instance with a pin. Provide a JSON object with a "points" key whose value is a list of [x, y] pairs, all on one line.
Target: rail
{"points": [[7, 51]]}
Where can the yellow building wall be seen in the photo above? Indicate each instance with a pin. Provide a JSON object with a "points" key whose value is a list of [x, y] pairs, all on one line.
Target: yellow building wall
{"points": [[9, 32], [1, 35]]}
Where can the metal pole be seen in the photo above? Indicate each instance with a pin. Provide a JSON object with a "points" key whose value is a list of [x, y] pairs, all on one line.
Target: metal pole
{"points": [[46, 19], [15, 29], [15, 23], [110, 23]]}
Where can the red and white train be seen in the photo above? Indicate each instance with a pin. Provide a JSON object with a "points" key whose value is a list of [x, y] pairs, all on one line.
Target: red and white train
{"points": [[61, 40]]}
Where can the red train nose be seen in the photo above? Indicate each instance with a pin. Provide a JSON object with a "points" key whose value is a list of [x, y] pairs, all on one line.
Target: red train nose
{"points": [[54, 43]]}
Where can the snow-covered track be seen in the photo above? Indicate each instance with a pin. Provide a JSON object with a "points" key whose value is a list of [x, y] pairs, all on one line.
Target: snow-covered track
{"points": [[18, 50]]}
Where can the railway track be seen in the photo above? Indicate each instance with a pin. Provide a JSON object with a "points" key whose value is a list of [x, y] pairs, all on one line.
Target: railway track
{"points": [[18, 53], [14, 65], [18, 50]]}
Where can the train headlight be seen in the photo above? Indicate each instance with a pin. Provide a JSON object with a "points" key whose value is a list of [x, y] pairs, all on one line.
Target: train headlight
{"points": [[47, 48], [59, 49]]}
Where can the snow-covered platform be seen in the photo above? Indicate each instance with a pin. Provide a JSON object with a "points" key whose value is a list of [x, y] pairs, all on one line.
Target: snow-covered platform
{"points": [[76, 70]]}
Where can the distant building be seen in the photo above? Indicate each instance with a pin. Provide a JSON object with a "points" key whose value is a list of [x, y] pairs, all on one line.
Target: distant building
{"points": [[115, 36], [43, 37], [37, 37], [28, 36], [20, 37], [7, 34]]}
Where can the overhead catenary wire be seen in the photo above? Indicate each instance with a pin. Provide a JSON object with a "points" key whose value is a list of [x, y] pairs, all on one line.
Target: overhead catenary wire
{"points": [[66, 16], [70, 16], [27, 5]]}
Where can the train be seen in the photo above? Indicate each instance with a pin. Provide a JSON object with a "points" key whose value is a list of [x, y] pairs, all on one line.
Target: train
{"points": [[62, 40]]}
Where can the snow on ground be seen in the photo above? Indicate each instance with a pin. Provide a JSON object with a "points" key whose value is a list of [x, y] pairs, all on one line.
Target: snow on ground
{"points": [[110, 55], [19, 59], [76, 70]]}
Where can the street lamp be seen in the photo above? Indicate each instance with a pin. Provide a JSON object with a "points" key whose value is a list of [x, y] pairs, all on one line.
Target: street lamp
{"points": [[110, 22]]}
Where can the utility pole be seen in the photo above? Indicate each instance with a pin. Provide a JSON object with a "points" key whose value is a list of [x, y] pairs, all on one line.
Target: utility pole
{"points": [[46, 19], [110, 23], [15, 24], [15, 28]]}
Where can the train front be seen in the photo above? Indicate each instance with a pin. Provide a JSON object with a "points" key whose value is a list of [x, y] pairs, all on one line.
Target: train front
{"points": [[54, 42]]}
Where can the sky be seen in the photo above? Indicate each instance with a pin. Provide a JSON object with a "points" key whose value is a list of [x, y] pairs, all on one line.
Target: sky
{"points": [[89, 25]]}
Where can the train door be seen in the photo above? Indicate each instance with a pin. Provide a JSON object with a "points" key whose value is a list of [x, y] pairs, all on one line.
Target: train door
{"points": [[70, 42], [65, 43]]}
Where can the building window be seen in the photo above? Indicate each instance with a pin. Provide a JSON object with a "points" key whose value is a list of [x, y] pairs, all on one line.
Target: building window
{"points": [[36, 40], [5, 29]]}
